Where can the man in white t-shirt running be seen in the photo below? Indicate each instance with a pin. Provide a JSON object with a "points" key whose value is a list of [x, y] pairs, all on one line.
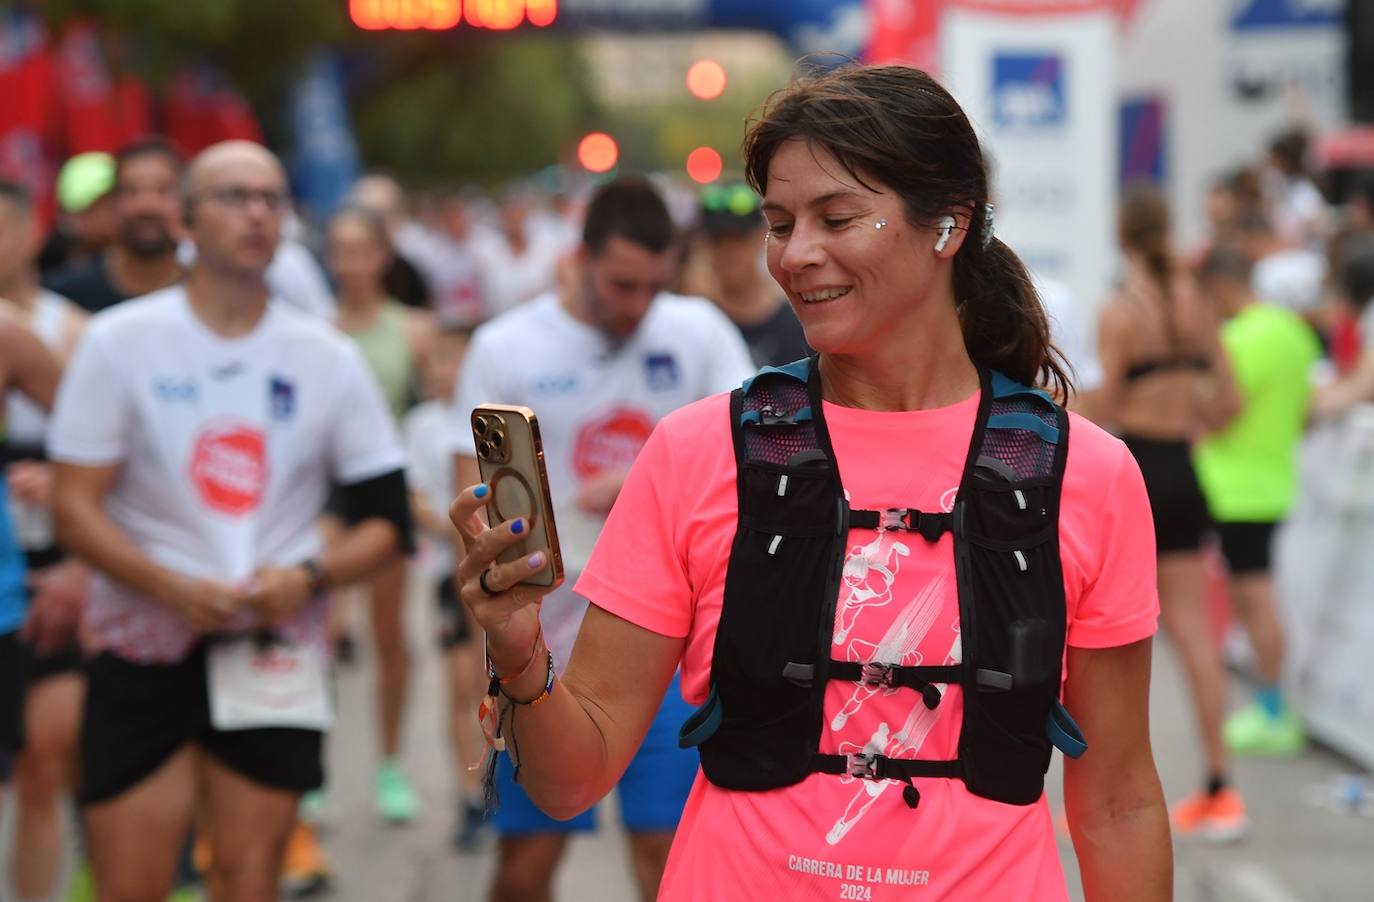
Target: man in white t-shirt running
{"points": [[195, 437], [600, 361]]}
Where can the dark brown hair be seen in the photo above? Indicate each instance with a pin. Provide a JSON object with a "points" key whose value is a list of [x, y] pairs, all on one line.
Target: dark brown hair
{"points": [[1143, 225], [898, 127], [631, 208], [149, 146]]}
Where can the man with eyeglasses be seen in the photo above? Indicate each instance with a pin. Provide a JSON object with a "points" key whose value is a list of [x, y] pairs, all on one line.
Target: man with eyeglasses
{"points": [[143, 258], [734, 230], [195, 437]]}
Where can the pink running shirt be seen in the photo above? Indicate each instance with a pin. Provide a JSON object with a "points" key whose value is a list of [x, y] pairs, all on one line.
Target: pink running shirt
{"points": [[661, 564]]}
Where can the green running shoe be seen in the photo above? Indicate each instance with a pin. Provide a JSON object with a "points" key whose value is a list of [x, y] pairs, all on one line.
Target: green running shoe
{"points": [[1254, 731], [82, 886], [396, 801]]}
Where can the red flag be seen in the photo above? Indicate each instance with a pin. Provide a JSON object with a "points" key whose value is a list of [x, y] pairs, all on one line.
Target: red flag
{"points": [[203, 108], [99, 112]]}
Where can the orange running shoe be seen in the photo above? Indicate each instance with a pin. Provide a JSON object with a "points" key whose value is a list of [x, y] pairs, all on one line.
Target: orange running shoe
{"points": [[201, 854], [305, 870], [1220, 817]]}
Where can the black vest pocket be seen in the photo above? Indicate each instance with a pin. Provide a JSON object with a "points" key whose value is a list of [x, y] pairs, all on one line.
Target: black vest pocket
{"points": [[1009, 511], [781, 567], [1016, 583]]}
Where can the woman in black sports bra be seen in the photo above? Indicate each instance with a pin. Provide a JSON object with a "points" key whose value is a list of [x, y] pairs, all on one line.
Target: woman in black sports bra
{"points": [[1166, 383]]}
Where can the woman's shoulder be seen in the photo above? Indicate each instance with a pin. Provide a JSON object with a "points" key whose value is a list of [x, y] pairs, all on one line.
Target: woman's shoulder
{"points": [[706, 420], [1095, 455]]}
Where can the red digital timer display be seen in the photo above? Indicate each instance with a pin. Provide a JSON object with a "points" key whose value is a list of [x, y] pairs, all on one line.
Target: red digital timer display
{"points": [[440, 15]]}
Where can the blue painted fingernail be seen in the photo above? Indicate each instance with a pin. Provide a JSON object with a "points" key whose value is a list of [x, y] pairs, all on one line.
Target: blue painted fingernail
{"points": [[480, 492], [518, 526], [536, 560]]}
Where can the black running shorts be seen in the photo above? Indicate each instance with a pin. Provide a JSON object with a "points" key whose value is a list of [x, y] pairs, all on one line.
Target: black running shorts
{"points": [[12, 688], [138, 715], [453, 617], [1180, 511], [1246, 546]]}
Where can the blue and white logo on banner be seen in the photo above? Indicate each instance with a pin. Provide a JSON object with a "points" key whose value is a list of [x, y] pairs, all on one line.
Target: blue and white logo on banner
{"points": [[1287, 14], [1028, 91]]}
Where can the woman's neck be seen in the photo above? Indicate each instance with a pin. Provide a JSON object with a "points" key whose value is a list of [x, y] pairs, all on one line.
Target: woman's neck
{"points": [[914, 369]]}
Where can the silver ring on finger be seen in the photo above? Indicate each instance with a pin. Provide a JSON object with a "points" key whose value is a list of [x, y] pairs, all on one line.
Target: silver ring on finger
{"points": [[482, 581]]}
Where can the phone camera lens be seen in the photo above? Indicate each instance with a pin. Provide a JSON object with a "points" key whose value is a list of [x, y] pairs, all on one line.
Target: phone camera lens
{"points": [[484, 449], [498, 439]]}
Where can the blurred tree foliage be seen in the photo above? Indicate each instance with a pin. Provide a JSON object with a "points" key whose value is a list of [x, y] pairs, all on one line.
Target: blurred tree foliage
{"points": [[466, 105], [478, 108]]}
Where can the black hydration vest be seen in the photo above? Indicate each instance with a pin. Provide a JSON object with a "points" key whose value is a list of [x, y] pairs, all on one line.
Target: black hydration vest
{"points": [[761, 726]]}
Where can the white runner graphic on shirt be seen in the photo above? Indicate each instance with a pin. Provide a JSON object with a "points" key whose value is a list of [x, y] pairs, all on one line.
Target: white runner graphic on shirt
{"points": [[902, 744], [897, 646], [869, 572]]}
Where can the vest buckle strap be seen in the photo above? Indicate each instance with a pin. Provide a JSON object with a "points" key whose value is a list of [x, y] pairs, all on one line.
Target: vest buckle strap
{"points": [[864, 764], [894, 518], [906, 519], [875, 673]]}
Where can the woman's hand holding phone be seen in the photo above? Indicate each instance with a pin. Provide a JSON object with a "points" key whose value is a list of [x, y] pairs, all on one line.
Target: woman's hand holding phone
{"points": [[506, 607]]}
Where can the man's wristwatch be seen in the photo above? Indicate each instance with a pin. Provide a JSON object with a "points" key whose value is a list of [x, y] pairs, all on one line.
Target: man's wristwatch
{"points": [[319, 582]]}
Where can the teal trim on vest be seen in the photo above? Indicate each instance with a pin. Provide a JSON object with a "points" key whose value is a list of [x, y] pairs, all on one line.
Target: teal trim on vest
{"points": [[756, 418], [703, 723], [797, 369], [1027, 421], [1064, 733], [1007, 387]]}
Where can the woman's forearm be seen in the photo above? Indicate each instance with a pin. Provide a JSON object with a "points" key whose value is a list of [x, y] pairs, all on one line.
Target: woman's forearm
{"points": [[1123, 846], [573, 746], [560, 749]]}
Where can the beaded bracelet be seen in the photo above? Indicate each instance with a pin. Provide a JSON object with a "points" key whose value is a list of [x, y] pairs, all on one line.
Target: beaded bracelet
{"points": [[498, 683], [542, 696]]}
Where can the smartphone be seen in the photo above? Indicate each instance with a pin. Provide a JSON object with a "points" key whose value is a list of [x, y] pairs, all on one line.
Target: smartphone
{"points": [[510, 457]]}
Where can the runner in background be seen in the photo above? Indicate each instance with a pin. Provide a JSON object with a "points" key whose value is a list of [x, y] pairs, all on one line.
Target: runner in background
{"points": [[27, 366], [600, 362], [1249, 473], [430, 473], [442, 248], [52, 709], [86, 223], [733, 230], [382, 196], [394, 340], [143, 258], [519, 258], [1166, 383], [196, 436]]}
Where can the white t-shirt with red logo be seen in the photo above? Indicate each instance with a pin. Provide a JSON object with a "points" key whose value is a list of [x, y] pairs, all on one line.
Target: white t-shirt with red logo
{"points": [[228, 448], [597, 402]]}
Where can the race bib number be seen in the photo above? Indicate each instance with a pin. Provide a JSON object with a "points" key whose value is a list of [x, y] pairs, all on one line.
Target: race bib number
{"points": [[278, 685]]}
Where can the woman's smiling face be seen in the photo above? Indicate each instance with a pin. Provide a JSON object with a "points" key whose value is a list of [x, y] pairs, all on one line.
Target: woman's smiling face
{"points": [[850, 282]]}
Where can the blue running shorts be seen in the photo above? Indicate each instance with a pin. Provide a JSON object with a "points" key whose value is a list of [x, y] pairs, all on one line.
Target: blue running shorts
{"points": [[651, 794]]}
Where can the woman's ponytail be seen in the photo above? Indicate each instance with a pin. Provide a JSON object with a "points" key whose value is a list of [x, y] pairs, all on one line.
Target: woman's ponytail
{"points": [[1004, 324]]}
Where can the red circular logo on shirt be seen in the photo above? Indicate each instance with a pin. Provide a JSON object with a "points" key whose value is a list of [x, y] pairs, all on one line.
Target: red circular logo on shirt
{"points": [[229, 468], [612, 442]]}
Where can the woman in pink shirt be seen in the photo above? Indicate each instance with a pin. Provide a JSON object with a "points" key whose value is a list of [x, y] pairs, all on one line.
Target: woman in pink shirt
{"points": [[906, 759]]}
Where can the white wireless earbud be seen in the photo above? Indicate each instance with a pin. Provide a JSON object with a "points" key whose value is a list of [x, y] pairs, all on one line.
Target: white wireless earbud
{"points": [[946, 227]]}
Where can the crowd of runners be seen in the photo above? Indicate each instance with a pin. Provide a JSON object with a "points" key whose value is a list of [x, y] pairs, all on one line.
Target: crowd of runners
{"points": [[232, 438]]}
